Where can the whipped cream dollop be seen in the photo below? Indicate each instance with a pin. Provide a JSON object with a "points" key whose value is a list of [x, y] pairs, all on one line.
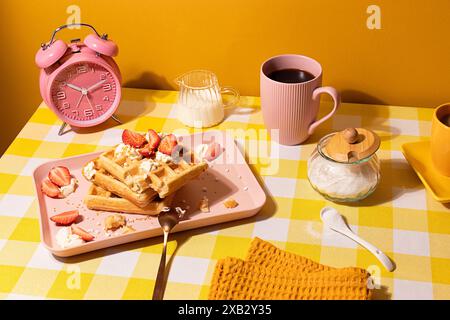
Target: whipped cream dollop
{"points": [[342, 180], [66, 239], [148, 165], [162, 157], [89, 170], [124, 150], [70, 188], [138, 181]]}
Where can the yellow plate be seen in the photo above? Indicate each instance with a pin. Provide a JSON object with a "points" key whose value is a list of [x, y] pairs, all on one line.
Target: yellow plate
{"points": [[418, 156]]}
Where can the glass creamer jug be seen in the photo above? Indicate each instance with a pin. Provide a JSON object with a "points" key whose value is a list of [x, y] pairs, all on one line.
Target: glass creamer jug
{"points": [[200, 103]]}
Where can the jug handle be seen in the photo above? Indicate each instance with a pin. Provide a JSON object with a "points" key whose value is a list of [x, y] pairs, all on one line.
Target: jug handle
{"points": [[234, 101], [178, 80]]}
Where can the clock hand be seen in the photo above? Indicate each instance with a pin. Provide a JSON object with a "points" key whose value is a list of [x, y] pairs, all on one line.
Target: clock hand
{"points": [[90, 103], [94, 86], [79, 100], [74, 87]]}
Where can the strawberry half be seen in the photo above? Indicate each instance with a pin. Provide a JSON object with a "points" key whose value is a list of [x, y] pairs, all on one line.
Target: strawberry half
{"points": [[168, 143], [86, 236], [146, 151], [134, 139], [65, 218], [50, 189], [60, 176], [153, 139], [213, 151]]}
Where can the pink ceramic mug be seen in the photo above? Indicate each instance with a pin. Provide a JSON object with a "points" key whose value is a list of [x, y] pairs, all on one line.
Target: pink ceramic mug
{"points": [[293, 107]]}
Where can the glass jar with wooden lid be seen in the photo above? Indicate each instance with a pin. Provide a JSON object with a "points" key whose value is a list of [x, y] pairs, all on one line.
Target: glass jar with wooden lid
{"points": [[344, 166]]}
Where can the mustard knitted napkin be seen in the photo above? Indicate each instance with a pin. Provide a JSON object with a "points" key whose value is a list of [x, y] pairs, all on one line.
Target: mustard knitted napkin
{"points": [[270, 273]]}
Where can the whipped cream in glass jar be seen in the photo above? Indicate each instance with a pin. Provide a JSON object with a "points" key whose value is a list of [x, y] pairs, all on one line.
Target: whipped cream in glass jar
{"points": [[344, 166]]}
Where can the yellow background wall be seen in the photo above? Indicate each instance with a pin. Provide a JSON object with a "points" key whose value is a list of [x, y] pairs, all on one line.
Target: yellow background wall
{"points": [[407, 62]]}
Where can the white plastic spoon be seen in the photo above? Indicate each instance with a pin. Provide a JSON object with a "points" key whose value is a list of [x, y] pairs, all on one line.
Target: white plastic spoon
{"points": [[333, 220]]}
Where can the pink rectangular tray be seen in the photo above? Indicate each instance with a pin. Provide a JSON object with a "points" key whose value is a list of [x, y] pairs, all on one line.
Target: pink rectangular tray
{"points": [[227, 176]]}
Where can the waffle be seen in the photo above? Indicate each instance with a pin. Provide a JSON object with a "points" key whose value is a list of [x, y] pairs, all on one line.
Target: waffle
{"points": [[235, 279], [106, 181], [165, 179], [169, 177], [98, 198], [125, 170]]}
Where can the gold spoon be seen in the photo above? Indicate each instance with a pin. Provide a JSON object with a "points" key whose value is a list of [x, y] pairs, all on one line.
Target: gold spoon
{"points": [[168, 219]]}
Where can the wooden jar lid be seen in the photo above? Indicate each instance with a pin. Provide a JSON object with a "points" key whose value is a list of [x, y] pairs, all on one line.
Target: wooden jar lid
{"points": [[352, 144]]}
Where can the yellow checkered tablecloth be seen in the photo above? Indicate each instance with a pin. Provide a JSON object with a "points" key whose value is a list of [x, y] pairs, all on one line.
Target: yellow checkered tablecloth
{"points": [[401, 218]]}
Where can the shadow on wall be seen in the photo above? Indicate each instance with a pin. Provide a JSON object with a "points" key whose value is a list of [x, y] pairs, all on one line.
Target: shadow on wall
{"points": [[355, 96], [150, 80]]}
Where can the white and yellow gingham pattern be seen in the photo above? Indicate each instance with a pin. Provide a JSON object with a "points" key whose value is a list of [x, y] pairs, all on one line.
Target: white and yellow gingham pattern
{"points": [[400, 217]]}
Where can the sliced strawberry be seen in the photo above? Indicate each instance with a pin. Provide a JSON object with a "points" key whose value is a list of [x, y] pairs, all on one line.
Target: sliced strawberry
{"points": [[50, 189], [65, 218], [153, 139], [60, 176], [168, 143], [133, 139], [86, 236], [146, 151], [213, 151]]}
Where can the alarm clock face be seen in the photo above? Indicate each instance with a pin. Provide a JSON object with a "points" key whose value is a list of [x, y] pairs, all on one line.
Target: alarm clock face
{"points": [[85, 93]]}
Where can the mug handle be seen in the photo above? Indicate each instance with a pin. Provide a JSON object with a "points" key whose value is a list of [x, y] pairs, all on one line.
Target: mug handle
{"points": [[337, 101], [236, 97]]}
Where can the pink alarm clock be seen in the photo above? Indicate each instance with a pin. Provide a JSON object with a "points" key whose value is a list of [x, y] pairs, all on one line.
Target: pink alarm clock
{"points": [[80, 82]]}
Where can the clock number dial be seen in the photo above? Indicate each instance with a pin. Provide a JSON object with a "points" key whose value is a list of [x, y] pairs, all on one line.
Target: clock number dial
{"points": [[77, 101], [81, 69], [88, 112], [61, 95]]}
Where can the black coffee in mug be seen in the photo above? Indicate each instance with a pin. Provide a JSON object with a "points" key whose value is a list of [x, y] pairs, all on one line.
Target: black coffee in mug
{"points": [[291, 76], [446, 120]]}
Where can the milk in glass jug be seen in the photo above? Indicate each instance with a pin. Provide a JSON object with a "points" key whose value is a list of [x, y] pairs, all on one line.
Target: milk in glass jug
{"points": [[200, 103]]}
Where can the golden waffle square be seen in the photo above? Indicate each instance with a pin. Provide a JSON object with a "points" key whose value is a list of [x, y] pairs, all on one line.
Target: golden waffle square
{"points": [[98, 198], [165, 179], [125, 169], [235, 279], [169, 177], [106, 181]]}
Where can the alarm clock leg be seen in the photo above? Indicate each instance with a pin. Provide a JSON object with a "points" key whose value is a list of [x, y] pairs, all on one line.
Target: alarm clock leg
{"points": [[61, 129], [64, 125], [116, 119]]}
